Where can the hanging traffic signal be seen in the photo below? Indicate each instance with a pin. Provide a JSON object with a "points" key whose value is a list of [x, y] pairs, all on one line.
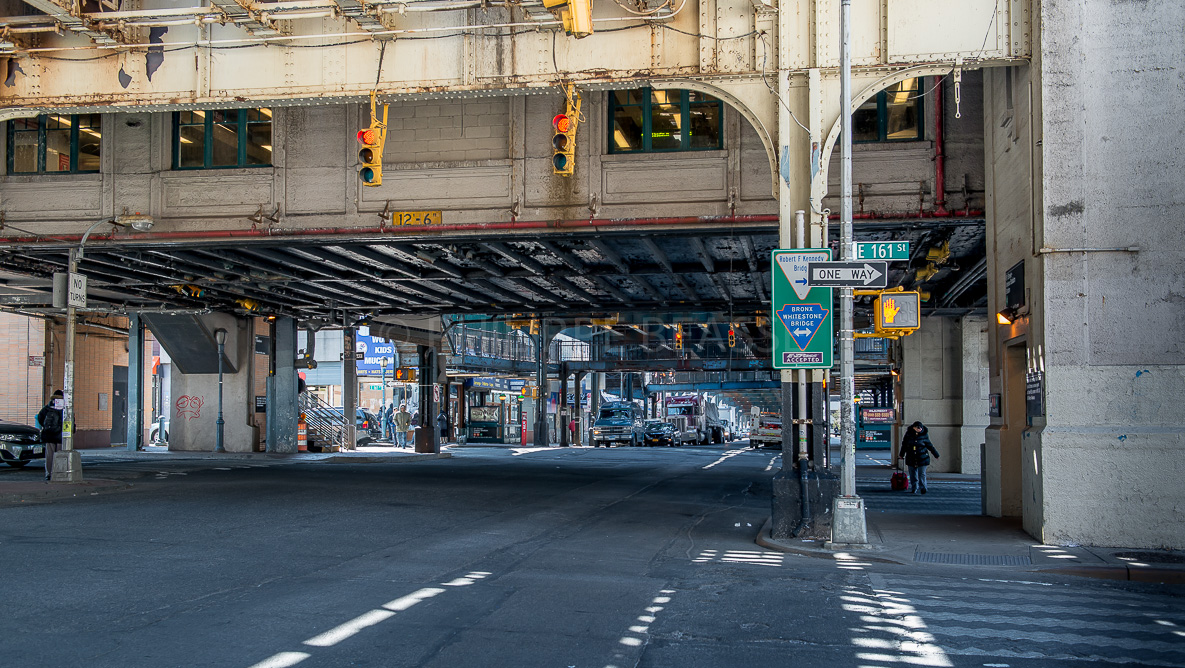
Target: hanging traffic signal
{"points": [[732, 337], [563, 140], [679, 338], [370, 156]]}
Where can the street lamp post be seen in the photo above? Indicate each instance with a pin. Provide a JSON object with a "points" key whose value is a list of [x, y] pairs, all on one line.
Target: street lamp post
{"points": [[220, 337], [383, 406], [71, 470]]}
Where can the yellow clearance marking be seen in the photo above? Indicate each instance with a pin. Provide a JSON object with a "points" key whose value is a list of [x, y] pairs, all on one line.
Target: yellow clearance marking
{"points": [[415, 218]]}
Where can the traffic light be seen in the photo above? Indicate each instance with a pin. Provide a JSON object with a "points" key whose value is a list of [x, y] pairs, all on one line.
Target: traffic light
{"points": [[372, 138], [679, 338], [576, 15], [563, 140], [732, 337], [897, 311], [405, 374]]}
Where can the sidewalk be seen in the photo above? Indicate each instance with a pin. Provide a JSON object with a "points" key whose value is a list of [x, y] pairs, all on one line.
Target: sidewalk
{"points": [[36, 490], [936, 539]]}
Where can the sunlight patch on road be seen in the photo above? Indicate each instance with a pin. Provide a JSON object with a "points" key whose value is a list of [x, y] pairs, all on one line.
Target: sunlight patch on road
{"points": [[893, 632], [771, 463], [756, 557]]}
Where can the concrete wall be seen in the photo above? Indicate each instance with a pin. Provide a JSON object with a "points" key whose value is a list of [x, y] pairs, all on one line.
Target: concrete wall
{"points": [[194, 410], [1082, 168], [976, 387]]}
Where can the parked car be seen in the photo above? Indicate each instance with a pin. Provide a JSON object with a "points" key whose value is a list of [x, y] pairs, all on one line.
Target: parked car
{"points": [[661, 433], [20, 444]]}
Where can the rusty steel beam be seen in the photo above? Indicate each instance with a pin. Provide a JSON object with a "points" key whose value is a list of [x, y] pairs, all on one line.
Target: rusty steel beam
{"points": [[70, 21]]}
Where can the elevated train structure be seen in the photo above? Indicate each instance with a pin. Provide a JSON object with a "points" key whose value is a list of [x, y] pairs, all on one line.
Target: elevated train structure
{"points": [[701, 128]]}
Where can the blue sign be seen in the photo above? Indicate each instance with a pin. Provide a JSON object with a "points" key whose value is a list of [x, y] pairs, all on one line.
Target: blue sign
{"points": [[374, 349], [802, 321]]}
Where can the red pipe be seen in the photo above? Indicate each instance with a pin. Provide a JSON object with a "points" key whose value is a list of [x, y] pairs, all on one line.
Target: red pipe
{"points": [[970, 213], [434, 229], [939, 155]]}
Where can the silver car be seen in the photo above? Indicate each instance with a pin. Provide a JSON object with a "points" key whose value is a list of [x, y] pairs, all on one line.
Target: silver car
{"points": [[20, 444]]}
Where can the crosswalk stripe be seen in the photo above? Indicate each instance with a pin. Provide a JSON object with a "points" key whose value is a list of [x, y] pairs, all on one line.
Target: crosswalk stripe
{"points": [[1014, 654], [1025, 607], [994, 593], [1050, 622], [1059, 638]]}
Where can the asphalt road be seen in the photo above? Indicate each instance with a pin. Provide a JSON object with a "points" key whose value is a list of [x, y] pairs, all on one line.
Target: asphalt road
{"points": [[565, 558]]}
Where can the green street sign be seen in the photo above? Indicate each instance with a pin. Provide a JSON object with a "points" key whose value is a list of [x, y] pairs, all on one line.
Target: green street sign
{"points": [[882, 250], [800, 315]]}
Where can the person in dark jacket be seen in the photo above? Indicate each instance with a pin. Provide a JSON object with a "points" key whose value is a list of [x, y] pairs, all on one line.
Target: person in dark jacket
{"points": [[917, 448], [442, 425], [49, 419]]}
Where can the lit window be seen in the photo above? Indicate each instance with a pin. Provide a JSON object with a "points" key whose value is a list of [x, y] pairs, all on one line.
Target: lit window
{"points": [[647, 120], [222, 138], [894, 114], [54, 144]]}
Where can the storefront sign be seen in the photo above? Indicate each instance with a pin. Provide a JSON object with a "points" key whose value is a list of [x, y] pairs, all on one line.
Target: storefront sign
{"points": [[514, 385], [878, 415]]}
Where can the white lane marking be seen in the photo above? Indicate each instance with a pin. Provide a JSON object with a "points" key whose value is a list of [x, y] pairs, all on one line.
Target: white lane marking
{"points": [[350, 628], [724, 458], [282, 660], [404, 602]]}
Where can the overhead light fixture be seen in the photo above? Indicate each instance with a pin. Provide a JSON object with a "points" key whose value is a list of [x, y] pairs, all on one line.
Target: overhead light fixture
{"points": [[137, 221], [1006, 315]]}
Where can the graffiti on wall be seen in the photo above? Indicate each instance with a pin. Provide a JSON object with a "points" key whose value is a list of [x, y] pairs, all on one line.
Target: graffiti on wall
{"points": [[189, 407]]}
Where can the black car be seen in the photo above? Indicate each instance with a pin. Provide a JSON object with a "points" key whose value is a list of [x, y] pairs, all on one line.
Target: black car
{"points": [[661, 433], [20, 444]]}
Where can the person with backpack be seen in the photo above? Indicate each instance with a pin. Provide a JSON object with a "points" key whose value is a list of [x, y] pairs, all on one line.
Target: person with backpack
{"points": [[917, 448], [49, 418]]}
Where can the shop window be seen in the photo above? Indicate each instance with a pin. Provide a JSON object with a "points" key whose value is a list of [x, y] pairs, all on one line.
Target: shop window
{"points": [[894, 114], [647, 120], [222, 138], [54, 144]]}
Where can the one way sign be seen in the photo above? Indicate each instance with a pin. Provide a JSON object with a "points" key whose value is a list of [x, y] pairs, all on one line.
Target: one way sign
{"points": [[862, 274]]}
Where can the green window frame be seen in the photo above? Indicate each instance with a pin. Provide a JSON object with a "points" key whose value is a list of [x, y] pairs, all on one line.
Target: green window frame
{"points": [[55, 144], [222, 138], [646, 120], [893, 114]]}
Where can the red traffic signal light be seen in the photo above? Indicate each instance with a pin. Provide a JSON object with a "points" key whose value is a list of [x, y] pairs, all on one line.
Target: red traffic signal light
{"points": [[563, 140], [372, 138], [732, 338]]}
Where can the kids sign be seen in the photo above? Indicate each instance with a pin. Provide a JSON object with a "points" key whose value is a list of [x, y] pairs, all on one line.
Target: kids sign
{"points": [[802, 329]]}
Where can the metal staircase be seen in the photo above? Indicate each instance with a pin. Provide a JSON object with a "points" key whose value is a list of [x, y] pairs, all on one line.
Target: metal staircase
{"points": [[325, 425]]}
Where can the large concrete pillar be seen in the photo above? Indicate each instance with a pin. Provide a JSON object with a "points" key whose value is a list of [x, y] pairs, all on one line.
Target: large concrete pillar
{"points": [[563, 414], [135, 382], [282, 409], [542, 439], [193, 425], [975, 392], [932, 386]]}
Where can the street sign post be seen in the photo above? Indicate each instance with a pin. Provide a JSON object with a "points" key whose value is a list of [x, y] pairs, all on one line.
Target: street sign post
{"points": [[882, 250], [863, 274], [802, 314]]}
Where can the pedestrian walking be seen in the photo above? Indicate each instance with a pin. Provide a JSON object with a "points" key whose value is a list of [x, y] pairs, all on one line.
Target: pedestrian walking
{"points": [[49, 418], [442, 424], [402, 422], [917, 448], [385, 421]]}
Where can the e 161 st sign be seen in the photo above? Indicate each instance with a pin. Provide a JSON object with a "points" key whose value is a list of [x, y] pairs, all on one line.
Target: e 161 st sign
{"points": [[862, 274]]}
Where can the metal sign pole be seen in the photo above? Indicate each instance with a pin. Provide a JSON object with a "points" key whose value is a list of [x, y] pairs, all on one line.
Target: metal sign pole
{"points": [[848, 527]]}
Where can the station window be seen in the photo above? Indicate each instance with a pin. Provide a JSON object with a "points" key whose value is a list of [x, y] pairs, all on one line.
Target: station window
{"points": [[49, 144], [222, 138], [647, 120], [894, 114]]}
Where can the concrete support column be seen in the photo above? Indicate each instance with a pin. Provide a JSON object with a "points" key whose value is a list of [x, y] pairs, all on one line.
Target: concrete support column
{"points": [[282, 409], [135, 382], [541, 437], [932, 384], [349, 388], [427, 436], [564, 413], [976, 387]]}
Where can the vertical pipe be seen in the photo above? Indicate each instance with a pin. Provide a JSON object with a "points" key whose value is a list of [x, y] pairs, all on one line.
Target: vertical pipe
{"points": [[135, 424], [219, 444], [800, 414], [939, 154]]}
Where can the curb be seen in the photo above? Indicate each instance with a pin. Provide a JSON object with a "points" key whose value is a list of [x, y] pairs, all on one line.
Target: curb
{"points": [[764, 540], [37, 491]]}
